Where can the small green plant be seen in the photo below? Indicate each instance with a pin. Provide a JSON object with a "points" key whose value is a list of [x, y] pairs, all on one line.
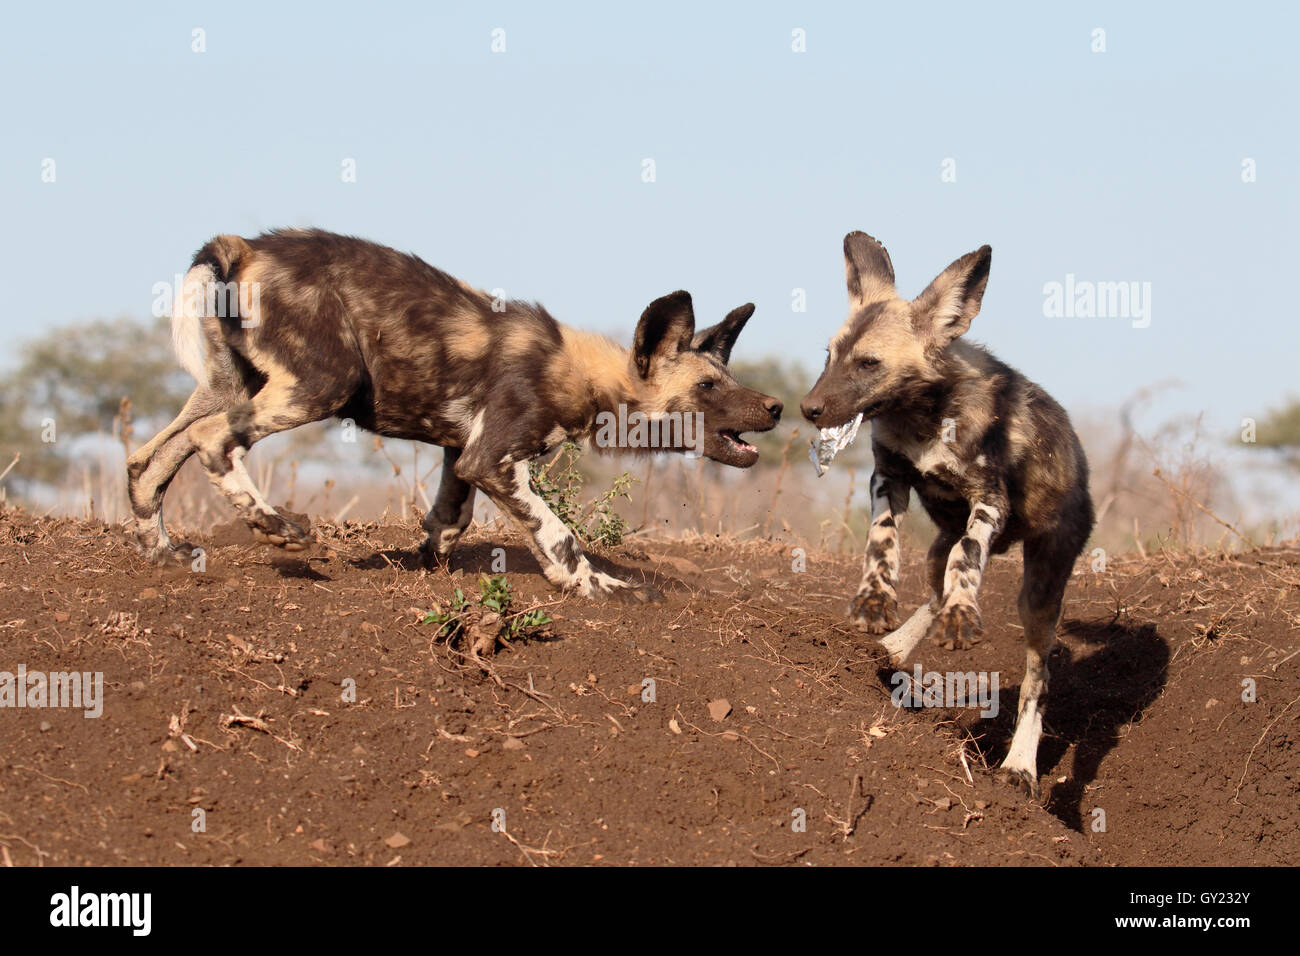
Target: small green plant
{"points": [[494, 598], [449, 621], [560, 483]]}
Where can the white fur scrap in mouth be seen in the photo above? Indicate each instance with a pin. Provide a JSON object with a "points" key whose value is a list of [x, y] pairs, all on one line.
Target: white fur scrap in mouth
{"points": [[831, 441]]}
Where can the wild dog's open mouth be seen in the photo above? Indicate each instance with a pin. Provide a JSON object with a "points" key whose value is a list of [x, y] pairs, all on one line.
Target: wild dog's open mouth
{"points": [[730, 449], [735, 441]]}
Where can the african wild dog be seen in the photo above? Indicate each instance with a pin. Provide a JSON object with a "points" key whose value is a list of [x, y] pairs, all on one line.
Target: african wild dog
{"points": [[312, 325], [992, 457]]}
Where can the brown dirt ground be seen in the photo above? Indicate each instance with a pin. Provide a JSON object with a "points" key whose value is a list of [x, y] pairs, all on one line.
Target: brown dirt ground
{"points": [[1146, 720]]}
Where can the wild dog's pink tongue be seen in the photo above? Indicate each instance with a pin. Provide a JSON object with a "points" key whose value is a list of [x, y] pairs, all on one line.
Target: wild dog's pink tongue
{"points": [[738, 442]]}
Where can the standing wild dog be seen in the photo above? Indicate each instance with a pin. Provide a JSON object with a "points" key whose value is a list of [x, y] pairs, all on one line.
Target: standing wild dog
{"points": [[992, 457], [300, 326]]}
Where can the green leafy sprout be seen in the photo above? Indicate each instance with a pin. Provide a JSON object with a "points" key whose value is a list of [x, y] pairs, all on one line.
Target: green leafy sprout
{"points": [[559, 484], [494, 596]]}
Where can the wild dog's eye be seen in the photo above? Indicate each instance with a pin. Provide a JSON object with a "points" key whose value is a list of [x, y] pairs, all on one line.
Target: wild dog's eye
{"points": [[868, 363], [707, 383]]}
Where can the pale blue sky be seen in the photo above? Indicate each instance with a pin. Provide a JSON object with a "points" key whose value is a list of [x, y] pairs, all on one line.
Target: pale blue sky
{"points": [[523, 170]]}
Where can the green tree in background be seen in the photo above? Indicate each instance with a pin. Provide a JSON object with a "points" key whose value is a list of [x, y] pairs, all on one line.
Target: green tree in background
{"points": [[1280, 430], [76, 377]]}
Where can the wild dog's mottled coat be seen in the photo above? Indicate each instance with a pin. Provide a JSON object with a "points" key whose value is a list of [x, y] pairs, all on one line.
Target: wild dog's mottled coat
{"points": [[992, 457], [328, 325]]}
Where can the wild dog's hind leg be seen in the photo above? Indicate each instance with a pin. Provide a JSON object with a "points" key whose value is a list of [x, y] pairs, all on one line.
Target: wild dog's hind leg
{"points": [[556, 548], [151, 468], [222, 441], [452, 511], [1047, 571], [903, 641], [875, 607]]}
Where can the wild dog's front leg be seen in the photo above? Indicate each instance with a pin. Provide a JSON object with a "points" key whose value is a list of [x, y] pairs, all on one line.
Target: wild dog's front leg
{"points": [[957, 624], [875, 607], [903, 641], [556, 547]]}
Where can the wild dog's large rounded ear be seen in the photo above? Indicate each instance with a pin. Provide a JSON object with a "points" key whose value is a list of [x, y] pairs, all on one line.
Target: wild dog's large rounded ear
{"points": [[665, 329], [867, 269], [718, 340], [949, 303]]}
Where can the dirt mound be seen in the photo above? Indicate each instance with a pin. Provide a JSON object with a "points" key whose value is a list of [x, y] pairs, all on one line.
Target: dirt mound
{"points": [[742, 721]]}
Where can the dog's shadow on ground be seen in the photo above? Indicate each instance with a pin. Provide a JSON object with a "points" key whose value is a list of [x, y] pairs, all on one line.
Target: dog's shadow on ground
{"points": [[1094, 695], [298, 568], [471, 560], [492, 558]]}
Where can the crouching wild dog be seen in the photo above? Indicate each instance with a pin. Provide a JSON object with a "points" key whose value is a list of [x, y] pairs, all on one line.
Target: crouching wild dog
{"points": [[992, 457], [300, 326]]}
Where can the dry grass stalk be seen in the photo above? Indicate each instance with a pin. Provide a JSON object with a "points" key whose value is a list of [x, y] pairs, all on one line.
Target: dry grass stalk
{"points": [[780, 477]]}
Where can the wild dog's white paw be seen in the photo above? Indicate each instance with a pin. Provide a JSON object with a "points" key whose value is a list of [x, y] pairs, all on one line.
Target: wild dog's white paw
{"points": [[168, 555], [874, 610], [957, 626], [900, 643], [603, 587], [1024, 779], [154, 545], [274, 528], [436, 548]]}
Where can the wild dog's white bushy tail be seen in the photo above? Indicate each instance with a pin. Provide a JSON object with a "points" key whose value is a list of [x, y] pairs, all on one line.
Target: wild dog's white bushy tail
{"points": [[196, 299], [187, 320]]}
